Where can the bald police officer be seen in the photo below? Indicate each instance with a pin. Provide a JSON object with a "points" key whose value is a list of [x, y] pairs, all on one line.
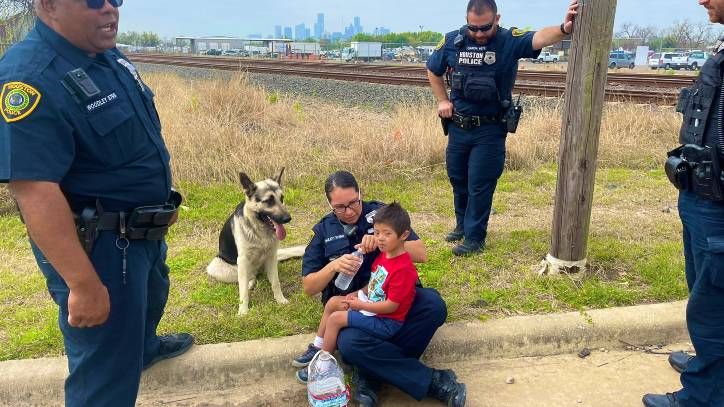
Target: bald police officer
{"points": [[695, 168], [81, 146], [481, 61]]}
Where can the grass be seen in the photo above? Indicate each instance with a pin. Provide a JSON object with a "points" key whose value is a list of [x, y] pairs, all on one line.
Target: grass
{"points": [[634, 248]]}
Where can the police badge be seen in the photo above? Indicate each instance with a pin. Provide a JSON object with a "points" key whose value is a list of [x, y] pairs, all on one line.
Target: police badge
{"points": [[18, 100], [489, 57]]}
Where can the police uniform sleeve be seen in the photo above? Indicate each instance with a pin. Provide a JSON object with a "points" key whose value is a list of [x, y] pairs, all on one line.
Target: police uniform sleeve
{"points": [[522, 44], [413, 236], [437, 63], [36, 143], [313, 259]]}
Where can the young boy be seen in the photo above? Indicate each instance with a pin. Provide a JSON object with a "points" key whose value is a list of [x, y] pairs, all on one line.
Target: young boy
{"points": [[381, 307]]}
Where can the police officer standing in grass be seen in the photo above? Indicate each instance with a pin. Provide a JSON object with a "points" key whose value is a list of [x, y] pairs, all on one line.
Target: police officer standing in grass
{"points": [[695, 168], [81, 147], [481, 62]]}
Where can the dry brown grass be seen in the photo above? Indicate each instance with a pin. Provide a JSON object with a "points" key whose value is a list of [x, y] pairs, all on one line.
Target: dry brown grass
{"points": [[215, 128]]}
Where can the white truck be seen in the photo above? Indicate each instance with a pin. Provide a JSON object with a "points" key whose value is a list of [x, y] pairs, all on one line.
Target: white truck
{"points": [[547, 57], [366, 51]]}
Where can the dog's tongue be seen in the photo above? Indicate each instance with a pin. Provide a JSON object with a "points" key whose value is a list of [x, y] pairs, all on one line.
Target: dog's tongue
{"points": [[280, 231]]}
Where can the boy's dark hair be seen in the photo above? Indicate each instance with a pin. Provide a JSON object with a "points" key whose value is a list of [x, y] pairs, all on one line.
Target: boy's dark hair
{"points": [[481, 6], [340, 179], [395, 216]]}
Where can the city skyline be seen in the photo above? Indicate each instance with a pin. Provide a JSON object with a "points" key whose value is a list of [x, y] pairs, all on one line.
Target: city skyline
{"points": [[240, 19]]}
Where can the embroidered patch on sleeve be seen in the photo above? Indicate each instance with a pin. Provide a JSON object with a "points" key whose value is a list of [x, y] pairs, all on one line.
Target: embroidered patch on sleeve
{"points": [[18, 101], [517, 32], [441, 43]]}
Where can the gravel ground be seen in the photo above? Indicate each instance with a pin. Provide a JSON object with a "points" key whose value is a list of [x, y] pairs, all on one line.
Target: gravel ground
{"points": [[374, 96]]}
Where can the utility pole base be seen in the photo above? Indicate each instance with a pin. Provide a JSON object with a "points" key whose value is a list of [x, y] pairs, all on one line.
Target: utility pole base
{"points": [[553, 266]]}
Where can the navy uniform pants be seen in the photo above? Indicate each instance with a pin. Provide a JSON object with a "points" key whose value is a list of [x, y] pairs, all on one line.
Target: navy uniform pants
{"points": [[105, 361], [397, 361], [703, 222], [475, 161]]}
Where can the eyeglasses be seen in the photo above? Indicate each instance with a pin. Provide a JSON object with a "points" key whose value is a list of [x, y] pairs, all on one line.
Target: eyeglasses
{"points": [[340, 209], [98, 4], [483, 28]]}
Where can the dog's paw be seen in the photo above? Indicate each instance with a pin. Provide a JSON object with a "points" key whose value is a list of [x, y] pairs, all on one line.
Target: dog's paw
{"points": [[242, 311], [282, 300]]}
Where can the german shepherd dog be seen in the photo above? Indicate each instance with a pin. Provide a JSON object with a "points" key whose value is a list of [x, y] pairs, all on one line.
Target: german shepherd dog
{"points": [[249, 240]]}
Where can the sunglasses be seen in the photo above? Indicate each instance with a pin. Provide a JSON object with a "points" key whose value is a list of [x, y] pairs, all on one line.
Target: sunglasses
{"points": [[483, 28], [98, 4]]}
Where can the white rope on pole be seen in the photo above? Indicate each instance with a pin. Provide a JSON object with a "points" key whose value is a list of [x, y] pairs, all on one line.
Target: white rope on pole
{"points": [[554, 266]]}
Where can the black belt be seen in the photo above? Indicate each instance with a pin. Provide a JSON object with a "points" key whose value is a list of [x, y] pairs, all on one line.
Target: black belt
{"points": [[471, 122], [150, 222]]}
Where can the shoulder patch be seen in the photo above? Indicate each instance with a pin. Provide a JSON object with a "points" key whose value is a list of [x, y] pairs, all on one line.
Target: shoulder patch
{"points": [[517, 32], [18, 101], [441, 43]]}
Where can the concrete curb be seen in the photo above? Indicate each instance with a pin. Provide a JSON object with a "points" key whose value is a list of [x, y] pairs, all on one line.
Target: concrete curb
{"points": [[227, 366]]}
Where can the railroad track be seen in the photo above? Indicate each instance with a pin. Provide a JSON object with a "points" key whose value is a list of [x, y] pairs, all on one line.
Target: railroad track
{"points": [[641, 88]]}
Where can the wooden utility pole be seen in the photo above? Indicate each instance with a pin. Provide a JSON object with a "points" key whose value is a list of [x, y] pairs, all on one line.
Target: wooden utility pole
{"points": [[583, 108]]}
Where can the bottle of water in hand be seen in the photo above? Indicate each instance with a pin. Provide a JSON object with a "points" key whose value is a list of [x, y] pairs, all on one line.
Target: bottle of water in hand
{"points": [[343, 280]]}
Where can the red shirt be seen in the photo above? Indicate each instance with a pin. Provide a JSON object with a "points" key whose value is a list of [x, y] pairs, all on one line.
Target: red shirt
{"points": [[393, 279]]}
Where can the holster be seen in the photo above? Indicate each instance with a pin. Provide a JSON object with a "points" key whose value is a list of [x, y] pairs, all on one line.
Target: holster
{"points": [[677, 170], [511, 118], [445, 122], [87, 228]]}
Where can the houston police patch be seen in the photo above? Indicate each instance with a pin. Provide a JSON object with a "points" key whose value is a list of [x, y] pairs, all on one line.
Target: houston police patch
{"points": [[18, 101], [517, 32]]}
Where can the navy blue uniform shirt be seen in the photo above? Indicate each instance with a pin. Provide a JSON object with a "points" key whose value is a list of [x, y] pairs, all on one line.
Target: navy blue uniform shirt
{"points": [[499, 58], [106, 147], [330, 242]]}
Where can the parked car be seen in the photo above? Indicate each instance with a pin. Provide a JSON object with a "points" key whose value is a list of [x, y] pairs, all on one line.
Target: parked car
{"points": [[696, 59], [547, 57], [621, 60], [668, 60], [212, 51]]}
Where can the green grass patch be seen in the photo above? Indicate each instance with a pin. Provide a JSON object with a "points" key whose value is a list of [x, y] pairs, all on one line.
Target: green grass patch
{"points": [[634, 252]]}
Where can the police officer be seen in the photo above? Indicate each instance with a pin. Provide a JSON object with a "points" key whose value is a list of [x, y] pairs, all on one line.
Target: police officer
{"points": [[81, 147], [396, 361], [481, 62], [695, 168]]}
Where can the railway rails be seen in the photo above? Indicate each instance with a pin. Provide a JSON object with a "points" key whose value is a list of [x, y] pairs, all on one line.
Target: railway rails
{"points": [[636, 88]]}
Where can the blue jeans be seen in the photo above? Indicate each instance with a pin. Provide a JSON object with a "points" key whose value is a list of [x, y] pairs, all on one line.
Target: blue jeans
{"points": [[105, 361], [475, 161], [703, 222], [397, 360]]}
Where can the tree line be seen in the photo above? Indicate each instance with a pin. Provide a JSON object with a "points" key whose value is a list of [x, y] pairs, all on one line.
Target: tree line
{"points": [[683, 35]]}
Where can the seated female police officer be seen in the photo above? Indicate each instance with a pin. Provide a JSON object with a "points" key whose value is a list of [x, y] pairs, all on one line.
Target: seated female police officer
{"points": [[395, 361]]}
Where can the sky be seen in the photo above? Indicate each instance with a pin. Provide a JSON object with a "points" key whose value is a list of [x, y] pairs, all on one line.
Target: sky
{"points": [[239, 18]]}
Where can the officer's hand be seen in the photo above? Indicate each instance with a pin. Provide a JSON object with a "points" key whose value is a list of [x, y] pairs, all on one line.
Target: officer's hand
{"points": [[347, 264], [368, 244], [445, 109], [570, 16], [88, 305]]}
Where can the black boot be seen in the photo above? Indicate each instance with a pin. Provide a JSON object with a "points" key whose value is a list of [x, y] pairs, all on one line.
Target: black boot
{"points": [[364, 389], [680, 360], [445, 387], [467, 248], [660, 400], [455, 235]]}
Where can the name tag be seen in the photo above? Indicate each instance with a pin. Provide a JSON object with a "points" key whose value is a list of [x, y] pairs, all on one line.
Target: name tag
{"points": [[101, 102]]}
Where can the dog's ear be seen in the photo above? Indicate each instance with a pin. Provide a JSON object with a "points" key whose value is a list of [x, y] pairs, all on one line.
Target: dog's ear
{"points": [[248, 184], [278, 177]]}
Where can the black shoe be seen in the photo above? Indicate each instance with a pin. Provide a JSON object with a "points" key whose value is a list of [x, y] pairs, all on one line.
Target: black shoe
{"points": [[467, 248], [306, 357], [364, 390], [171, 346], [302, 375], [444, 387], [660, 400], [680, 360], [455, 235]]}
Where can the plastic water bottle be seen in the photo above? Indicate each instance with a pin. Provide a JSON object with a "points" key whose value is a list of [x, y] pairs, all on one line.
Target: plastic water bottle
{"points": [[325, 384], [343, 280]]}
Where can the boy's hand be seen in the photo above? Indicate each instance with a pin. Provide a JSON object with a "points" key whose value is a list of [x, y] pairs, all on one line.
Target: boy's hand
{"points": [[351, 296], [368, 244], [354, 303]]}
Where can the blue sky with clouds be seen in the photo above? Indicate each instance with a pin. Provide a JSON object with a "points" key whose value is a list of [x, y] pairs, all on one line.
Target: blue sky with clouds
{"points": [[243, 17]]}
